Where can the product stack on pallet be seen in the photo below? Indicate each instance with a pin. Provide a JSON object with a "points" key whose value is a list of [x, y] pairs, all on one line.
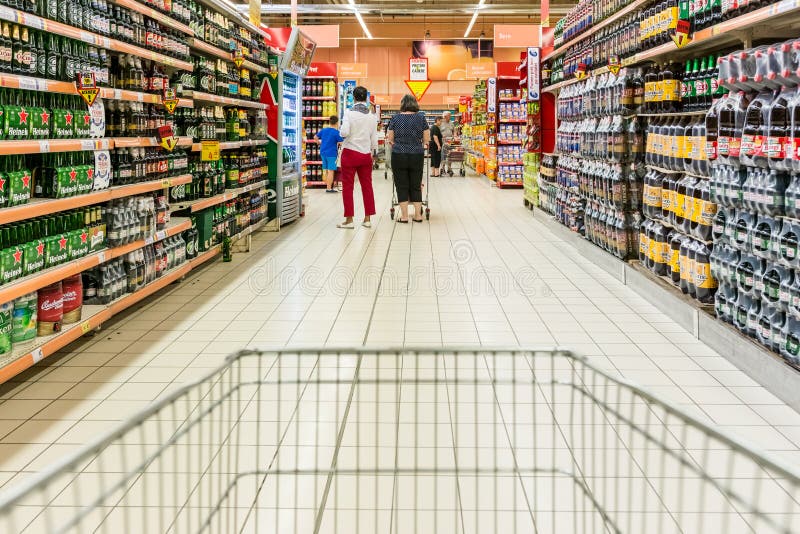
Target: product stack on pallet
{"points": [[96, 211], [698, 130], [475, 132]]}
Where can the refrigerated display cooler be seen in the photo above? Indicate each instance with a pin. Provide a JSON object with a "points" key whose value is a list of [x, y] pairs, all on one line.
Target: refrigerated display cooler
{"points": [[282, 92]]}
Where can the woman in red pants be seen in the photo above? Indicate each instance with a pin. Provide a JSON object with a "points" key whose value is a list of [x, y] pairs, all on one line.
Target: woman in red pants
{"points": [[360, 133]]}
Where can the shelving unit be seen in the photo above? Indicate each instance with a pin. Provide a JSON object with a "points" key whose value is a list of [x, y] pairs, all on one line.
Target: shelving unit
{"points": [[319, 75], [24, 356]]}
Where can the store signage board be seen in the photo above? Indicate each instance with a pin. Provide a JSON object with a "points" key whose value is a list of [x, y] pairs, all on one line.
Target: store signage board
{"points": [[417, 69], [255, 12], [517, 35], [491, 95], [481, 70], [451, 100], [355, 71], [299, 52], [169, 100], [534, 77], [166, 137], [277, 37], [383, 100], [318, 69], [325, 35]]}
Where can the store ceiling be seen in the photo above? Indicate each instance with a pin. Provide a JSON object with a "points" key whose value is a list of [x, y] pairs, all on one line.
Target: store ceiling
{"points": [[413, 12]]}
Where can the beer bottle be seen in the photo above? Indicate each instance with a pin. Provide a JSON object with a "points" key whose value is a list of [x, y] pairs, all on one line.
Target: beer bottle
{"points": [[5, 48], [50, 9], [38, 59], [53, 57], [25, 52], [16, 52]]}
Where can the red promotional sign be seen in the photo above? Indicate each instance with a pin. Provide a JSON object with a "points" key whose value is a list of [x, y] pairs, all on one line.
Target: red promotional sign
{"points": [[277, 37], [322, 69]]}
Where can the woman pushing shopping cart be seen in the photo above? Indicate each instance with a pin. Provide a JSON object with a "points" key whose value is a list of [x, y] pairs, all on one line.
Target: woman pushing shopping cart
{"points": [[409, 135]]}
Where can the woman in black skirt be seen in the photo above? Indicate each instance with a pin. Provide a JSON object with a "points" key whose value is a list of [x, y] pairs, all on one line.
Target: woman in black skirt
{"points": [[436, 147]]}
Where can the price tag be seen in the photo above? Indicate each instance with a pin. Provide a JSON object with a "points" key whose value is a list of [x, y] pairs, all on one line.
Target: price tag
{"points": [[85, 327], [117, 94], [169, 100], [28, 83], [209, 151], [44, 146], [7, 14], [87, 37], [140, 97], [32, 21], [106, 42], [101, 257], [166, 183], [161, 234], [37, 355], [148, 240], [87, 144]]}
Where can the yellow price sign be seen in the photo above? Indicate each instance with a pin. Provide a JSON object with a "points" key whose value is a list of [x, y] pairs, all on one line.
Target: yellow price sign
{"points": [[86, 327], [209, 151]]}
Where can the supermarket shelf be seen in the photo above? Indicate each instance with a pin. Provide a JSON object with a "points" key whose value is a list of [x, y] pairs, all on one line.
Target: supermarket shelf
{"points": [[515, 99], [40, 207], [249, 65], [232, 145], [510, 142], [780, 15], [14, 81], [155, 15], [32, 21], [52, 275], [597, 27], [676, 114], [315, 118], [202, 46], [319, 98], [513, 121], [502, 184], [128, 142], [203, 203], [668, 171], [316, 183], [509, 163], [312, 141], [215, 99], [313, 162]]}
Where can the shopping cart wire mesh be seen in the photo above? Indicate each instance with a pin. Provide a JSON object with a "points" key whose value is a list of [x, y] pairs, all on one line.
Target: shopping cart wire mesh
{"points": [[399, 441]]}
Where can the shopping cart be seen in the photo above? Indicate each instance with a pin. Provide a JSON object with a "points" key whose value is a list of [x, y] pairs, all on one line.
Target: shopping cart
{"points": [[379, 155], [453, 152], [401, 441], [425, 191]]}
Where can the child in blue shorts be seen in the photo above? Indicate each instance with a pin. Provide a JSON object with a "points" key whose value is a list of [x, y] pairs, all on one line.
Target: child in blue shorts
{"points": [[328, 150]]}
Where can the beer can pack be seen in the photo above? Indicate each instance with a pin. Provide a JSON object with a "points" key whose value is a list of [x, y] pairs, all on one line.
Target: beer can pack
{"points": [[23, 329], [6, 313]]}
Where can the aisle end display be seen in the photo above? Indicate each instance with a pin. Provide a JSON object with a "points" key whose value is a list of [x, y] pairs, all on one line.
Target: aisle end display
{"points": [[320, 97]]}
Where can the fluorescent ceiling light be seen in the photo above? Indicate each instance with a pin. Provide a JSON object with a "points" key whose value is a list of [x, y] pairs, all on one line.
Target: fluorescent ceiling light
{"points": [[473, 19], [360, 19]]}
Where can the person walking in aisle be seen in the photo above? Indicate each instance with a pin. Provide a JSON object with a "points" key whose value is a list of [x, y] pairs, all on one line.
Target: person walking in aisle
{"points": [[408, 134], [435, 147], [447, 135], [329, 140], [360, 134]]}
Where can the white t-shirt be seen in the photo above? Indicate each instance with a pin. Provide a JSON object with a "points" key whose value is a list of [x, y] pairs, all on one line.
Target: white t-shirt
{"points": [[360, 131]]}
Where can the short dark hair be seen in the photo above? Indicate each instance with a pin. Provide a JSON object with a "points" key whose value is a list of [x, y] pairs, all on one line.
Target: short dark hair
{"points": [[360, 94], [437, 119], [333, 119], [409, 103]]}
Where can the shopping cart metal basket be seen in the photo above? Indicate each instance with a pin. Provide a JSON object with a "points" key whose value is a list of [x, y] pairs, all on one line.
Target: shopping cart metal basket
{"points": [[453, 152], [402, 441]]}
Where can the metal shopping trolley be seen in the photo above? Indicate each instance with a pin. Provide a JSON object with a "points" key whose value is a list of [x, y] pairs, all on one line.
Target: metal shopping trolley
{"points": [[379, 155], [401, 441], [425, 191], [453, 152]]}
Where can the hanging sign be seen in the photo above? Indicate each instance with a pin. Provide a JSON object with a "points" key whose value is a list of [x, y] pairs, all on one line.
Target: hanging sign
{"points": [[357, 71], [613, 64], [491, 95], [238, 58], [166, 137], [418, 82], [87, 87], [480, 70], [418, 69], [681, 36], [581, 72], [534, 78], [169, 100], [209, 151]]}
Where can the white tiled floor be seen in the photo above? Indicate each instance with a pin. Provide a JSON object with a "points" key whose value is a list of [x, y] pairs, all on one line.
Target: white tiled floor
{"points": [[482, 272]]}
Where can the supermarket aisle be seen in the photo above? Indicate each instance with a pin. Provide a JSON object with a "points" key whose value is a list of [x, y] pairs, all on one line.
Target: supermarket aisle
{"points": [[481, 272]]}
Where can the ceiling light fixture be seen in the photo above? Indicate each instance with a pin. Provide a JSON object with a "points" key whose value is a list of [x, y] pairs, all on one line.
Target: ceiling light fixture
{"points": [[427, 34], [474, 18], [359, 18]]}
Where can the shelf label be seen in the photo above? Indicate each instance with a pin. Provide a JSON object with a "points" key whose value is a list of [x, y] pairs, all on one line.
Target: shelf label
{"points": [[86, 327], [209, 151], [87, 87], [149, 240], [166, 183], [28, 83], [169, 100], [87, 144], [32, 21], [101, 257], [87, 37], [44, 146], [681, 36], [37, 355], [161, 234], [117, 94]]}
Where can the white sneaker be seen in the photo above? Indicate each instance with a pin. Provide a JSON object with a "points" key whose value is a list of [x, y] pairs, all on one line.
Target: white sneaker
{"points": [[345, 225], [367, 224]]}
